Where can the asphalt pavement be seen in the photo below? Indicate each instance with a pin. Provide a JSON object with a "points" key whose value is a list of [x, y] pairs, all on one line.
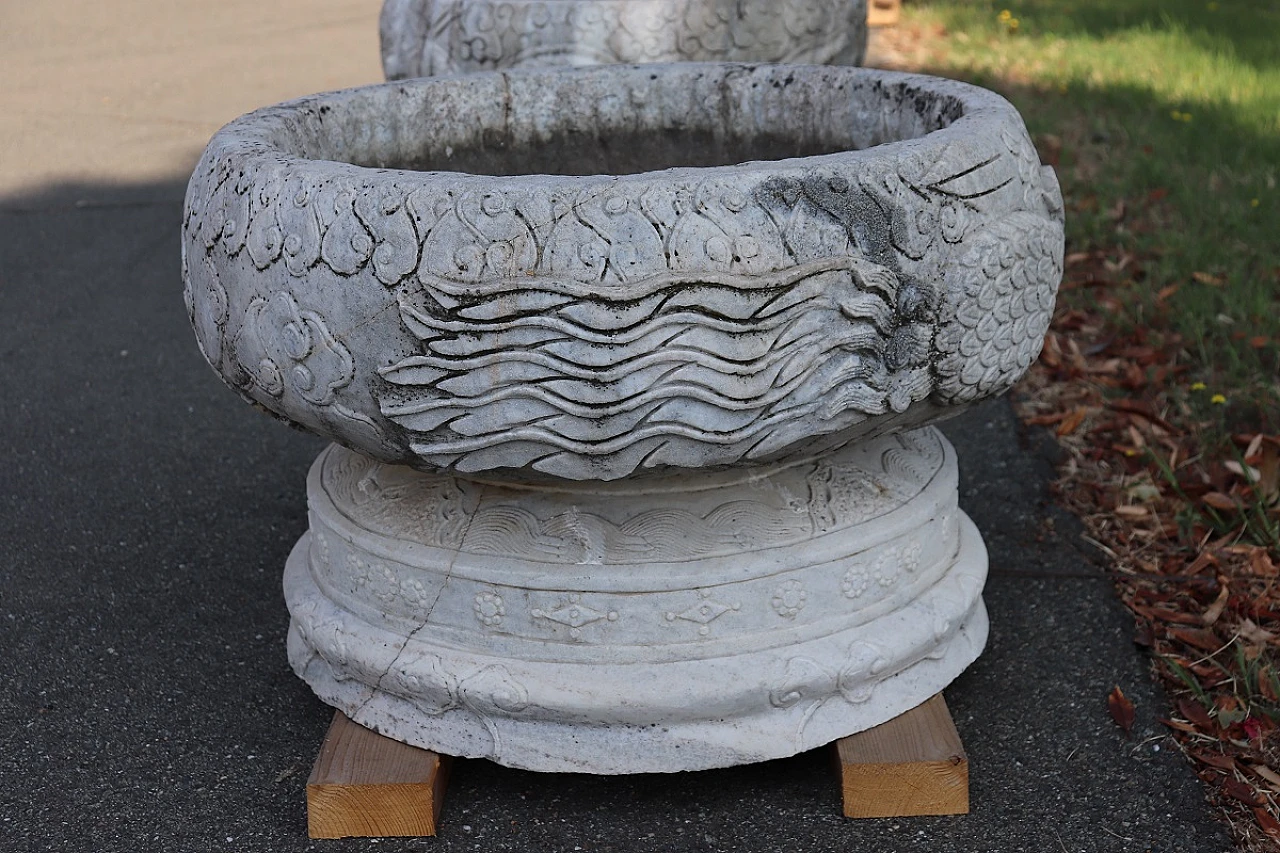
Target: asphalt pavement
{"points": [[146, 513]]}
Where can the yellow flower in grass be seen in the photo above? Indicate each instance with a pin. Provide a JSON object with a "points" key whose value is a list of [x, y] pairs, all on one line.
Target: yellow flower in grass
{"points": [[1218, 399], [1253, 202], [1198, 386], [1006, 17]]}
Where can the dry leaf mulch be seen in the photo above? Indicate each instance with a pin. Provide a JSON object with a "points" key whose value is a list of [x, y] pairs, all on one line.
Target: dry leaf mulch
{"points": [[1188, 513]]}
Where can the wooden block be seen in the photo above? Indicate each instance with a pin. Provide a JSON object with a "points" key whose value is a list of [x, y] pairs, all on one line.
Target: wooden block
{"points": [[883, 13], [912, 765], [365, 785]]}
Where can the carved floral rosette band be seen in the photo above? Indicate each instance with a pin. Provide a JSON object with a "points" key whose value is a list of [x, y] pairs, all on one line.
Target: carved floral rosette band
{"points": [[424, 37], [595, 326], [660, 342]]}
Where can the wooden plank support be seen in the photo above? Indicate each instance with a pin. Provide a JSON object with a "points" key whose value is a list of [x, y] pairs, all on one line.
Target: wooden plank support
{"points": [[883, 13], [365, 785], [912, 765]]}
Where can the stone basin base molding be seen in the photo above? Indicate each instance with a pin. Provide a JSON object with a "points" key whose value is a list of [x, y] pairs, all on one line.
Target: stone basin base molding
{"points": [[684, 622]]}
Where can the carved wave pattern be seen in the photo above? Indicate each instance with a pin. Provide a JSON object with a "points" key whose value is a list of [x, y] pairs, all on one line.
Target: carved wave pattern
{"points": [[552, 373]]}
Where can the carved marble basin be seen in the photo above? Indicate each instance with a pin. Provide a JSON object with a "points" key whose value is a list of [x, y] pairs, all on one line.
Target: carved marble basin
{"points": [[602, 272], [630, 367], [424, 37]]}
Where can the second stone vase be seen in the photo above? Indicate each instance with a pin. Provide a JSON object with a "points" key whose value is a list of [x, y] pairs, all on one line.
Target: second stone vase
{"points": [[424, 37]]}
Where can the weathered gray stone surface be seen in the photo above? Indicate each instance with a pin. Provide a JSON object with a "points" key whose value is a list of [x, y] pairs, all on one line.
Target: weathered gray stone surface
{"points": [[596, 273], [424, 37]]}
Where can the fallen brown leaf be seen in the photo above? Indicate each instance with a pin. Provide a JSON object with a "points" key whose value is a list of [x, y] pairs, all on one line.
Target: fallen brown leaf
{"points": [[1266, 686], [1121, 710], [1214, 611], [1050, 147], [1272, 777], [1268, 823], [1209, 279], [1242, 792], [1072, 421], [1142, 635], [1178, 725], [1216, 760], [1218, 500], [1250, 474], [1251, 632], [1202, 561], [1261, 565], [1196, 713], [1164, 614], [1269, 471], [1200, 638]]}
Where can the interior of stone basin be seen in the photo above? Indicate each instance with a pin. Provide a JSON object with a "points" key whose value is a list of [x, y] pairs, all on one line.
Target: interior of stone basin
{"points": [[616, 120]]}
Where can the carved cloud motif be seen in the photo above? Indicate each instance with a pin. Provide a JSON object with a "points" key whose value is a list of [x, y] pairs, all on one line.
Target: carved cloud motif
{"points": [[807, 682], [285, 349], [206, 301], [854, 680]]}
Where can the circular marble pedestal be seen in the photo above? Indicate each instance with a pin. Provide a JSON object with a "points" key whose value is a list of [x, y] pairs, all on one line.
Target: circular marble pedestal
{"points": [[680, 623]]}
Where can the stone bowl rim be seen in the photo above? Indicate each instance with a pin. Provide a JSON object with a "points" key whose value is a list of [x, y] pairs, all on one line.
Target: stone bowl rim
{"points": [[253, 136]]}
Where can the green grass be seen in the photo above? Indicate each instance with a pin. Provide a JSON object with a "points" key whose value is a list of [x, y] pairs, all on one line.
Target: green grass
{"points": [[1173, 107]]}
